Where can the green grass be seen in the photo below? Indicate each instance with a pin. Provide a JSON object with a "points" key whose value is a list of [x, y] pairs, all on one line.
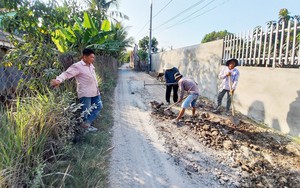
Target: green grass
{"points": [[87, 160], [36, 148], [25, 129]]}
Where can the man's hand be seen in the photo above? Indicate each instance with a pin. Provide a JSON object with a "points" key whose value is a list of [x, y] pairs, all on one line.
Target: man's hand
{"points": [[228, 74], [54, 83], [231, 92]]}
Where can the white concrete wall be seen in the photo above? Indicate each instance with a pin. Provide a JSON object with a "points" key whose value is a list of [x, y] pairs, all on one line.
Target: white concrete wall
{"points": [[271, 96], [267, 95], [199, 62]]}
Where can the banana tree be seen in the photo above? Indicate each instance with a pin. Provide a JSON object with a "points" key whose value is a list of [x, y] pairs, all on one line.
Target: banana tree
{"points": [[81, 34], [116, 43]]}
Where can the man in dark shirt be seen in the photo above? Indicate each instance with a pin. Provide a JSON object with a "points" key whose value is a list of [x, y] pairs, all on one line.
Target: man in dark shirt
{"points": [[171, 83]]}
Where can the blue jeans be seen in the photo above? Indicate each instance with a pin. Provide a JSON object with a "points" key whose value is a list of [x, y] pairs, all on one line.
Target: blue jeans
{"points": [[91, 108], [190, 101]]}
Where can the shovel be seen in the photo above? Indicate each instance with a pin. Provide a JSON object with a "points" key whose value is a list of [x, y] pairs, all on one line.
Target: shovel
{"points": [[234, 120]]}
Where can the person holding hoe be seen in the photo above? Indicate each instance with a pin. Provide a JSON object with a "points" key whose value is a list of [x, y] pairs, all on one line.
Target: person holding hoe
{"points": [[191, 87], [230, 76], [171, 83]]}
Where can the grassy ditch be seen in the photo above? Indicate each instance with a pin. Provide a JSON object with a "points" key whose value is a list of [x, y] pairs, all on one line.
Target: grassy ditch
{"points": [[41, 144], [30, 132], [86, 161]]}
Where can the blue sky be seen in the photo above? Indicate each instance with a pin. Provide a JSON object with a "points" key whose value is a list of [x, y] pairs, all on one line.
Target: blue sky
{"points": [[181, 23]]}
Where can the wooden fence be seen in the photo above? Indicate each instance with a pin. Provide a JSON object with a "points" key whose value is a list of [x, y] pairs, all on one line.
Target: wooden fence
{"points": [[277, 46]]}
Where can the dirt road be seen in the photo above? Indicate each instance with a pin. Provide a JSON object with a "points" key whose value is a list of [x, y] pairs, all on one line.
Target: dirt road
{"points": [[139, 158], [149, 151]]}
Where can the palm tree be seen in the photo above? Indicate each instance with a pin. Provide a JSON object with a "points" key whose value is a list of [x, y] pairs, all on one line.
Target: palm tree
{"points": [[100, 9], [284, 16]]}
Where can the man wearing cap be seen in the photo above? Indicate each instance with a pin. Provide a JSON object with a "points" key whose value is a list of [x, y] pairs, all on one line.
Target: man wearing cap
{"points": [[191, 87], [171, 83], [228, 72]]}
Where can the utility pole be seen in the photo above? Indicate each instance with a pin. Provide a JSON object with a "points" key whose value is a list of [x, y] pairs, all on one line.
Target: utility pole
{"points": [[150, 38]]}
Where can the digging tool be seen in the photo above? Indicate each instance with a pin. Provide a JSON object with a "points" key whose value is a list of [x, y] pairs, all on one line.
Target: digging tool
{"points": [[160, 84], [173, 104], [232, 118]]}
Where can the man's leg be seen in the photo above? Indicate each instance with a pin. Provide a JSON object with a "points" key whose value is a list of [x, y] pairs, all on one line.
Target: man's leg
{"points": [[180, 114], [228, 102], [220, 97], [175, 93], [219, 101], [168, 93], [193, 104], [186, 103], [86, 104], [96, 106]]}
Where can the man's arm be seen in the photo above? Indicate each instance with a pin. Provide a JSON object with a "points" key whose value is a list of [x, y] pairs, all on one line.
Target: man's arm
{"points": [[235, 79], [224, 73], [71, 72]]}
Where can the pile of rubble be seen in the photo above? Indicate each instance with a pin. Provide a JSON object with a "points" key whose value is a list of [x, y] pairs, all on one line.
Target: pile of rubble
{"points": [[265, 157]]}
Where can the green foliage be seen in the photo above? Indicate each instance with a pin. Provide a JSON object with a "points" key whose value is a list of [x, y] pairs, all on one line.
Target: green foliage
{"points": [[142, 55], [36, 21], [12, 4], [109, 40], [144, 44], [284, 15], [32, 133], [117, 42], [215, 36], [100, 9], [125, 57], [81, 34], [87, 164], [37, 62], [24, 132]]}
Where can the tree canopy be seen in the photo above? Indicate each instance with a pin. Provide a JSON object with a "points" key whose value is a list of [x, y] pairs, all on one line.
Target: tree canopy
{"points": [[144, 44], [215, 36]]}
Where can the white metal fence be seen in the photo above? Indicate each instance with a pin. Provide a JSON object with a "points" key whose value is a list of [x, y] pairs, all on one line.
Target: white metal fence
{"points": [[277, 46]]}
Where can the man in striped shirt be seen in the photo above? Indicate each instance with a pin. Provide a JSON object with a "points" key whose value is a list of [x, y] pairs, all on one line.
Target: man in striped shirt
{"points": [[87, 87]]}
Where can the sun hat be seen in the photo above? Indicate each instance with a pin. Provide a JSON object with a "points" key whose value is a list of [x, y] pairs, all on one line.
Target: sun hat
{"points": [[177, 75], [236, 63], [168, 66]]}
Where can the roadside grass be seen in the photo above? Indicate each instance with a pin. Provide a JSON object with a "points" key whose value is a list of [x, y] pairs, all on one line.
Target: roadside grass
{"points": [[36, 134], [25, 130], [87, 160]]}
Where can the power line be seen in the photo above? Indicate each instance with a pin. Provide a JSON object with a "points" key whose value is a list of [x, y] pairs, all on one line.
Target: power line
{"points": [[181, 21], [185, 19], [162, 8], [205, 12], [187, 9], [154, 17]]}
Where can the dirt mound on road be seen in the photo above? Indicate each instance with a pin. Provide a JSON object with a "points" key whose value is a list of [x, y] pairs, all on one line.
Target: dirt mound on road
{"points": [[256, 156]]}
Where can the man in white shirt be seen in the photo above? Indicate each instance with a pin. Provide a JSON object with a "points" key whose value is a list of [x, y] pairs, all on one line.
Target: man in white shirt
{"points": [[228, 85]]}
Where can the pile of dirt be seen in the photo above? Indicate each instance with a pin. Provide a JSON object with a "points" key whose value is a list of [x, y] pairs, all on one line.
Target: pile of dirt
{"points": [[263, 157]]}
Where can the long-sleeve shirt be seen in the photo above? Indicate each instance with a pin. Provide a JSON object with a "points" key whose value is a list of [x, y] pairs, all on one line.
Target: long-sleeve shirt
{"points": [[169, 75], [85, 75], [189, 85], [235, 74]]}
